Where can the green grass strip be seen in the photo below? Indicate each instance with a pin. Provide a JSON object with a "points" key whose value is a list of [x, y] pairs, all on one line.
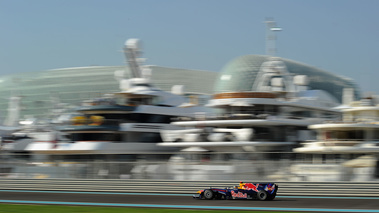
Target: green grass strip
{"points": [[20, 208]]}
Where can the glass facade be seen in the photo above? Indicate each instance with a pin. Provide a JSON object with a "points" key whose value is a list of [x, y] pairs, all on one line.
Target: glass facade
{"points": [[240, 73], [43, 91]]}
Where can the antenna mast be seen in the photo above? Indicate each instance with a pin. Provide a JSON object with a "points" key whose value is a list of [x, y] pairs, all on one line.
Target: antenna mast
{"points": [[271, 29]]}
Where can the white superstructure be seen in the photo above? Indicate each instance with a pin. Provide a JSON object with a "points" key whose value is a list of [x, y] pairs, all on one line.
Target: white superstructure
{"points": [[351, 145], [273, 116], [126, 122], [251, 128]]}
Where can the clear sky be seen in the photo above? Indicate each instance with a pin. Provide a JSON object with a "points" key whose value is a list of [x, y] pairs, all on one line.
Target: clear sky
{"points": [[340, 36]]}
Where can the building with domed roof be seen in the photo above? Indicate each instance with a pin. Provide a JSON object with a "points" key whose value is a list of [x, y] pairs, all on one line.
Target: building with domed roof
{"points": [[240, 73], [43, 91]]}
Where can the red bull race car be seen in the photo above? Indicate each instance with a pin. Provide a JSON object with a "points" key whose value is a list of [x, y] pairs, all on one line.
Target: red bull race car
{"points": [[260, 191]]}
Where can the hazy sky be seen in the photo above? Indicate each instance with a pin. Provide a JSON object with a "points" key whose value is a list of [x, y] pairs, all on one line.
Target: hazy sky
{"points": [[340, 36]]}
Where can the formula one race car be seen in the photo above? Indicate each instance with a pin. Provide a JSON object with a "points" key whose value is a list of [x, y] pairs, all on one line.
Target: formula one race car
{"points": [[261, 191]]}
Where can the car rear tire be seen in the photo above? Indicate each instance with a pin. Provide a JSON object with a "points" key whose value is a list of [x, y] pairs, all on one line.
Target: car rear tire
{"points": [[208, 194], [262, 195]]}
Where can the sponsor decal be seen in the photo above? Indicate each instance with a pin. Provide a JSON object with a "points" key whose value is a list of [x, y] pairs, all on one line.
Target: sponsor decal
{"points": [[250, 186], [270, 187], [239, 195]]}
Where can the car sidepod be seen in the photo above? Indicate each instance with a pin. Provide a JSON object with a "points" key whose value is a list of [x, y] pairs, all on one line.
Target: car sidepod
{"points": [[221, 194], [241, 194]]}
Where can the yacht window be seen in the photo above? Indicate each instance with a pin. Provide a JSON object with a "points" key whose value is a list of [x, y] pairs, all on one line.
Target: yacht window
{"points": [[150, 118], [376, 174], [156, 100], [338, 158], [261, 109], [142, 85], [140, 101], [346, 135], [301, 114], [308, 158], [357, 135], [330, 158], [95, 137], [330, 115], [264, 134], [159, 119], [151, 137], [134, 101], [376, 136]]}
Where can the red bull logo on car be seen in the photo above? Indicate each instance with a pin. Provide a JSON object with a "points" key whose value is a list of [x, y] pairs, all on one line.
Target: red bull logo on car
{"points": [[250, 186], [238, 195]]}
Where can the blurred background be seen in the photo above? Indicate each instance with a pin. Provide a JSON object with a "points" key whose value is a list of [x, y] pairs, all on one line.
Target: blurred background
{"points": [[189, 90]]}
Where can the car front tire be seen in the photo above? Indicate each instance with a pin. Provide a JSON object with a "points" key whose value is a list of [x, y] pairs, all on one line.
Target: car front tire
{"points": [[208, 194]]}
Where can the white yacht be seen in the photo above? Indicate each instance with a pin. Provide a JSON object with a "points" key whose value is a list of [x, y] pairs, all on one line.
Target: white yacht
{"points": [[252, 130], [274, 116], [127, 122], [105, 137], [344, 150]]}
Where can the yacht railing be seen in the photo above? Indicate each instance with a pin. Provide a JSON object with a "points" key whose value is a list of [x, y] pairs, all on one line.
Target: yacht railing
{"points": [[341, 142], [362, 120], [352, 141], [237, 116]]}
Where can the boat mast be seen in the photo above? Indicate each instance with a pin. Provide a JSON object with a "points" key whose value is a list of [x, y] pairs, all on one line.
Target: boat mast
{"points": [[133, 52]]}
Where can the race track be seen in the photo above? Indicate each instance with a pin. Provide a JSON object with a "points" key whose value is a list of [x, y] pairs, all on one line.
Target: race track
{"points": [[281, 203]]}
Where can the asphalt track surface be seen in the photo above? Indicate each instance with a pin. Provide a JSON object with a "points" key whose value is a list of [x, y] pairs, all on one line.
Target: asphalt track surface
{"points": [[281, 203]]}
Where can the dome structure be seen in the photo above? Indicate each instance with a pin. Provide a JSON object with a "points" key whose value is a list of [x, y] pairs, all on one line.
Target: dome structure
{"points": [[240, 73]]}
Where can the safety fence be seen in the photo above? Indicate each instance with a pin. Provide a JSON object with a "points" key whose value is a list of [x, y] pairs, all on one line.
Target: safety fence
{"points": [[277, 167], [354, 189]]}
